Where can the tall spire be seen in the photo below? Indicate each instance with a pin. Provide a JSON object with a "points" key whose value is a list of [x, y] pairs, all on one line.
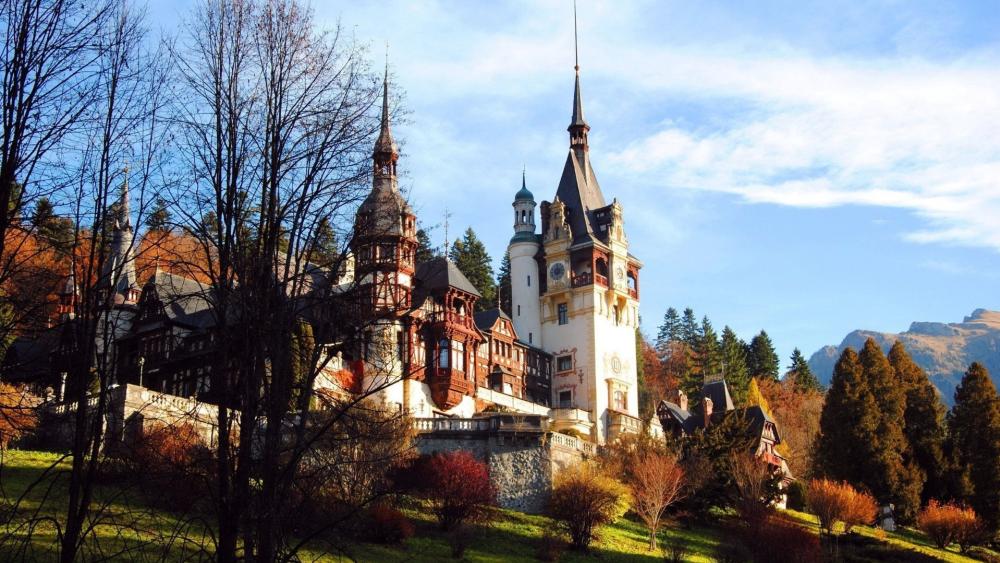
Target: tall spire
{"points": [[578, 127], [125, 204], [385, 153]]}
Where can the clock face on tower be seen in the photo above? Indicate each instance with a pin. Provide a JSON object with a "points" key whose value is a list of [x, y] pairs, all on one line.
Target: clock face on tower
{"points": [[619, 273], [557, 271]]}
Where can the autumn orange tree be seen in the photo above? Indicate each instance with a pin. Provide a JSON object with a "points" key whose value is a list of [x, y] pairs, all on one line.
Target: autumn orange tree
{"points": [[17, 414], [657, 483], [834, 502]]}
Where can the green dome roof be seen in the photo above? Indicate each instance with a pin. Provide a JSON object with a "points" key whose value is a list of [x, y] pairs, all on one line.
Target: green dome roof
{"points": [[523, 193]]}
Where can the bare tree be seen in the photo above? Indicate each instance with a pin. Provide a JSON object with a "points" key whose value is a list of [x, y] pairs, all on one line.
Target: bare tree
{"points": [[756, 487], [657, 483], [277, 123], [48, 67], [123, 127]]}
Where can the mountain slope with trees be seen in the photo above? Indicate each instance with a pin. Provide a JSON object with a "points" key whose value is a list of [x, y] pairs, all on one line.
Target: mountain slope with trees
{"points": [[943, 350]]}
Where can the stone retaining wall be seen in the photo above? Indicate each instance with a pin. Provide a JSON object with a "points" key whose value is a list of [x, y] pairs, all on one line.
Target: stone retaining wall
{"points": [[522, 460]]}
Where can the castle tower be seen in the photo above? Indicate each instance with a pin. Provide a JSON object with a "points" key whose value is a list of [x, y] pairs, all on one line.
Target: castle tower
{"points": [[384, 249], [118, 279], [524, 250], [385, 242], [590, 300]]}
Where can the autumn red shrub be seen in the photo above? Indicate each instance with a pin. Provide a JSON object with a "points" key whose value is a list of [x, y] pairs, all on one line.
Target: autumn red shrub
{"points": [[387, 525], [834, 502], [167, 448], [173, 464], [948, 523], [17, 414], [459, 486]]}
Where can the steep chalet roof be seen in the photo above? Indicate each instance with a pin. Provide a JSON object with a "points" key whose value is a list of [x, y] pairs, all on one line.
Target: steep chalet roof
{"points": [[440, 273], [486, 319], [580, 192]]}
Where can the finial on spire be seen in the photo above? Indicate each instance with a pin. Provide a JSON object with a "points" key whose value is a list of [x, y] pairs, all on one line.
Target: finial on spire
{"points": [[576, 44], [578, 125]]}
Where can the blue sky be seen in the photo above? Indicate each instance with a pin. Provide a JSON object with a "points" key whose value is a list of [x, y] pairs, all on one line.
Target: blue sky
{"points": [[803, 167]]}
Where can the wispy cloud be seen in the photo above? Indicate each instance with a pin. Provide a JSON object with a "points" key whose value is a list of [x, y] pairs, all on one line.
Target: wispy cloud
{"points": [[907, 134]]}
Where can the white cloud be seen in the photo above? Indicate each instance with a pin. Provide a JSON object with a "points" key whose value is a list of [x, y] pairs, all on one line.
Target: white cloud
{"points": [[907, 134]]}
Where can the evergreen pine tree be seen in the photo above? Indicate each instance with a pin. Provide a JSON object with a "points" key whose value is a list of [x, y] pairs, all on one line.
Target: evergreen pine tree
{"points": [[923, 422], [974, 426], [159, 218], [847, 424], [762, 360], [889, 477], [56, 230], [469, 254], [670, 330], [734, 365], [325, 250], [709, 355], [503, 285], [801, 375], [690, 331], [425, 251]]}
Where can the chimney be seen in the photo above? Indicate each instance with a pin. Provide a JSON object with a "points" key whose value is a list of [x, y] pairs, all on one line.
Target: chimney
{"points": [[682, 400], [707, 407]]}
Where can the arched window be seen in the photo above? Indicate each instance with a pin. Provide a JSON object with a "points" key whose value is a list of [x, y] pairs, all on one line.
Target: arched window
{"points": [[443, 354]]}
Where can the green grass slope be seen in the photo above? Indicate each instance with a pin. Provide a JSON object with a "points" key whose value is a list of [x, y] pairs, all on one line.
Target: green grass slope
{"points": [[130, 530]]}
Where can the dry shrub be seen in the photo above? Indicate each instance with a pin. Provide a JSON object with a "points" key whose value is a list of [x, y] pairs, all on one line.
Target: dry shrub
{"points": [[168, 448], [173, 464], [948, 523], [387, 525], [459, 486], [834, 502], [17, 414], [584, 499]]}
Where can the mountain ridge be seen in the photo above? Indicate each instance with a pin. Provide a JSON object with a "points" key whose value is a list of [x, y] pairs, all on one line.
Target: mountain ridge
{"points": [[943, 350]]}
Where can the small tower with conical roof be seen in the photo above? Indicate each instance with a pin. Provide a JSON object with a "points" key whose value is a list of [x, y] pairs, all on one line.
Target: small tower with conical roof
{"points": [[524, 282], [385, 241], [118, 285]]}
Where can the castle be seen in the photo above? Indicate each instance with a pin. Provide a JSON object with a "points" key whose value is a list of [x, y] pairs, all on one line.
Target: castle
{"points": [[566, 348], [565, 352]]}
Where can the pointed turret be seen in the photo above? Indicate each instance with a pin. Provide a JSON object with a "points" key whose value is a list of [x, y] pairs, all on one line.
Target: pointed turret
{"points": [[385, 153], [578, 127], [118, 276]]}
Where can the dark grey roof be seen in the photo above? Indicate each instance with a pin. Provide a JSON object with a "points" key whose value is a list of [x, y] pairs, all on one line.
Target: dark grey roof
{"points": [[578, 120], [440, 273], [184, 300], [580, 192], [486, 319], [756, 416], [28, 358], [718, 391]]}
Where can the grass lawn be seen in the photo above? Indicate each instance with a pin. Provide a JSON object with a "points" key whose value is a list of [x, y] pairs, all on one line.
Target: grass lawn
{"points": [[130, 530], [904, 539]]}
